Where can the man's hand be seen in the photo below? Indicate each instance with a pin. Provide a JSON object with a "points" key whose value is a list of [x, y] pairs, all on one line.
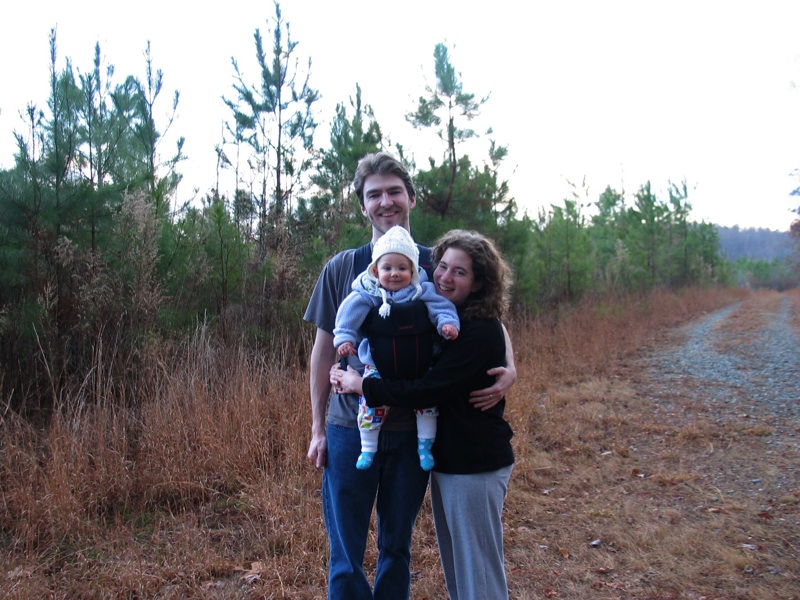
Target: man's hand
{"points": [[322, 355], [317, 449], [486, 398], [505, 377]]}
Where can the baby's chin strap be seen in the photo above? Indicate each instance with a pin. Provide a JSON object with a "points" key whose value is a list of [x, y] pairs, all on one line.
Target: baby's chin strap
{"points": [[418, 293], [385, 308]]}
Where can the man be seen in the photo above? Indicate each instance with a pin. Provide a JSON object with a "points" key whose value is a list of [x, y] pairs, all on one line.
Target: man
{"points": [[395, 484]]}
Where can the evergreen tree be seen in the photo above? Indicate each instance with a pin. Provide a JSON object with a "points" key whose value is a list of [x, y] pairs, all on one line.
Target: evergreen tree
{"points": [[60, 204], [564, 248], [446, 101], [276, 119], [149, 137], [646, 237], [678, 245], [606, 231], [227, 255], [334, 202]]}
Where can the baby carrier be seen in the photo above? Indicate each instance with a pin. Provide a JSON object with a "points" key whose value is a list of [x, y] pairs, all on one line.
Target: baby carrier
{"points": [[402, 344]]}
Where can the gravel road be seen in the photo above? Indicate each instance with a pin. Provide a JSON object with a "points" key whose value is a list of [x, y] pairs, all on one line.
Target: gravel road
{"points": [[745, 380], [758, 374]]}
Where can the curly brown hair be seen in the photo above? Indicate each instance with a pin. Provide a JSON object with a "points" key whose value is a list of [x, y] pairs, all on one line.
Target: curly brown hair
{"points": [[488, 267]]}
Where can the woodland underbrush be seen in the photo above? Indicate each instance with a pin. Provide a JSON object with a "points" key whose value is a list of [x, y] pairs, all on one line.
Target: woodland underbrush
{"points": [[201, 487]]}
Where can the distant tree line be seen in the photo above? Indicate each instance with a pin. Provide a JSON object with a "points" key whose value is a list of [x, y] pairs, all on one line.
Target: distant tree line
{"points": [[101, 266], [755, 243]]}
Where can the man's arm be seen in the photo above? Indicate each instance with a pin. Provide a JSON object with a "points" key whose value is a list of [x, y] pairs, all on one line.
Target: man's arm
{"points": [[505, 378], [323, 355]]}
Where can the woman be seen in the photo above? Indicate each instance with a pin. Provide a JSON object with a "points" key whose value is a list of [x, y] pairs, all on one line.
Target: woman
{"points": [[472, 452]]}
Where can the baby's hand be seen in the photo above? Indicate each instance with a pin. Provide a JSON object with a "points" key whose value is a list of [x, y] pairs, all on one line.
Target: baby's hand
{"points": [[449, 332], [345, 350]]}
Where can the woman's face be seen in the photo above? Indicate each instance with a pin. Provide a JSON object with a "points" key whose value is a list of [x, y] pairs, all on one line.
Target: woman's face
{"points": [[453, 276]]}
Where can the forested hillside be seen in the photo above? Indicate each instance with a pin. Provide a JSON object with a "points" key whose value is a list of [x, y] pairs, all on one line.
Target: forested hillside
{"points": [[755, 244]]}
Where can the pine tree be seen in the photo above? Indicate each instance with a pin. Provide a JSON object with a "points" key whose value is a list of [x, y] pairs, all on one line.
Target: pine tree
{"points": [[446, 101], [276, 119], [149, 137], [350, 140]]}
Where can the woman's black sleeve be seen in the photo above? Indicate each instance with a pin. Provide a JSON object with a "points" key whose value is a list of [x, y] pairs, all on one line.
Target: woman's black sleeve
{"points": [[460, 369]]}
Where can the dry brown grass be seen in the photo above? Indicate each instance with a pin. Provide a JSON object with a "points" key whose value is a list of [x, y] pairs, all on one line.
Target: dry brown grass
{"points": [[748, 317], [205, 491]]}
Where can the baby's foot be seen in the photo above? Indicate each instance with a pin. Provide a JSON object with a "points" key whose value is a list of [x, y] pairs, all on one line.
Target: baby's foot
{"points": [[365, 460], [425, 455]]}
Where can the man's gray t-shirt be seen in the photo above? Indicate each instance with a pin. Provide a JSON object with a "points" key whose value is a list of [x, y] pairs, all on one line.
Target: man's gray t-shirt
{"points": [[333, 286]]}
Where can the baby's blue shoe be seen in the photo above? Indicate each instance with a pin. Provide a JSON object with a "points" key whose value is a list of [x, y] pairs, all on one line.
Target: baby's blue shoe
{"points": [[365, 460], [425, 454]]}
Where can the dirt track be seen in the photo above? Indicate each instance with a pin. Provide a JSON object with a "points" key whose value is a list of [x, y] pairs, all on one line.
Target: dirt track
{"points": [[743, 360], [738, 369]]}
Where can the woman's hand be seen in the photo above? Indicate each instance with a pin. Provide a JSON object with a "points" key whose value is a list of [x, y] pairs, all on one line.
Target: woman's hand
{"points": [[345, 382]]}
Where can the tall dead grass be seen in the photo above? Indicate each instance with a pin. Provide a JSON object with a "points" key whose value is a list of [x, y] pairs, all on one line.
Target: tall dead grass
{"points": [[207, 473], [575, 342], [201, 487]]}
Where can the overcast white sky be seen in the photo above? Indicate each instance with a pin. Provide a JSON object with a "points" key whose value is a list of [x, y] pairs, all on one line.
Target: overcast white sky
{"points": [[617, 92]]}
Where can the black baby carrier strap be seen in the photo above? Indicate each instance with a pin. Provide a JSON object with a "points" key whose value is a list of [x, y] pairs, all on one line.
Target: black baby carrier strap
{"points": [[361, 259]]}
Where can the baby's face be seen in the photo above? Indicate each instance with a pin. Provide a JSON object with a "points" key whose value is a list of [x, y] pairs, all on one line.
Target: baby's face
{"points": [[394, 271]]}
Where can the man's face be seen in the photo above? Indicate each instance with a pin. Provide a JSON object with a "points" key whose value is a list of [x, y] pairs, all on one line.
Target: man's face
{"points": [[386, 203]]}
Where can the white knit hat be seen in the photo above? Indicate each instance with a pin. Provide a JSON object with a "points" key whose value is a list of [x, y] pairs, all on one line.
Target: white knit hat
{"points": [[396, 241]]}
